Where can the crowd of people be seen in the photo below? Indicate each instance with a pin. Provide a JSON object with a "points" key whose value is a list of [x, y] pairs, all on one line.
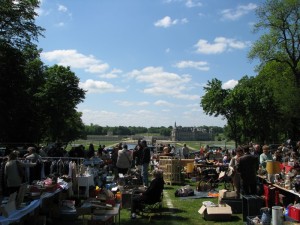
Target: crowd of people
{"points": [[246, 161]]}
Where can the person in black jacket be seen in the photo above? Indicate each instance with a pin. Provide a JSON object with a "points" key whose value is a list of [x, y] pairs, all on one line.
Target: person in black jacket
{"points": [[248, 167], [151, 195]]}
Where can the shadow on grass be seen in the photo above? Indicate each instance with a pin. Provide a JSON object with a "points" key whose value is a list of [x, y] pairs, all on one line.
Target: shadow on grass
{"points": [[169, 188], [159, 218]]}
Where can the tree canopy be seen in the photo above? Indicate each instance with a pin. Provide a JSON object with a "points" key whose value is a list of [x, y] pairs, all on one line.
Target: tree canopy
{"points": [[280, 42], [38, 102], [265, 108]]}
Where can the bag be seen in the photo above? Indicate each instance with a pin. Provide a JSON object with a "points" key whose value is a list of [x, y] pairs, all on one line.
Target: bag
{"points": [[184, 191], [21, 170]]}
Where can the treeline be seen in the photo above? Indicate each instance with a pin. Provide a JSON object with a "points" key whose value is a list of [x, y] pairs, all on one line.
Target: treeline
{"points": [[93, 129]]}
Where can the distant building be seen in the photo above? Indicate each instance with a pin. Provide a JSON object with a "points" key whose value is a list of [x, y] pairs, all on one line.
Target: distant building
{"points": [[180, 133]]}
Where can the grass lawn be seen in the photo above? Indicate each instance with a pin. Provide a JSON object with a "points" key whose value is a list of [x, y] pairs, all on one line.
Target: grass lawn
{"points": [[177, 211]]}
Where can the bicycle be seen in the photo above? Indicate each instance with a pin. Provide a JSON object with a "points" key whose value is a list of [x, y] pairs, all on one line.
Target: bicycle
{"points": [[211, 180]]}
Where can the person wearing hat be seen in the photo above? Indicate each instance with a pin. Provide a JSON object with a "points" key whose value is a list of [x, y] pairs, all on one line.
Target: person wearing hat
{"points": [[264, 156]]}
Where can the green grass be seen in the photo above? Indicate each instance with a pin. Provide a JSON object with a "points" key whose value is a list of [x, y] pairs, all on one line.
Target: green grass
{"points": [[182, 212]]}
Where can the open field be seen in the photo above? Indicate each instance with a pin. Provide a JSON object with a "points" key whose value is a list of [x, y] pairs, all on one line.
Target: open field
{"points": [[193, 145]]}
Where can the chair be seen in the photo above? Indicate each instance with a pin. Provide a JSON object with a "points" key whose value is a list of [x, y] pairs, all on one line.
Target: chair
{"points": [[152, 208]]}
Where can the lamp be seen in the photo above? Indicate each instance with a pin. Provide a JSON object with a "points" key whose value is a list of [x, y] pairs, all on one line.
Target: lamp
{"points": [[272, 167]]}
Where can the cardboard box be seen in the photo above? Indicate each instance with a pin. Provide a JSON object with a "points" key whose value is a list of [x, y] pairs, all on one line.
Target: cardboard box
{"points": [[219, 213]]}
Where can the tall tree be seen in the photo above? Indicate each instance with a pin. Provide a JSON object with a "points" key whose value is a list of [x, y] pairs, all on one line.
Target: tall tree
{"points": [[216, 102], [280, 21], [60, 96], [17, 22]]}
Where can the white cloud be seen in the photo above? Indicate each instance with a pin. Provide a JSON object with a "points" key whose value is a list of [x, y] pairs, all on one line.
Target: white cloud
{"points": [[160, 82], [230, 84], [62, 8], [75, 60], [220, 45], [129, 104], [163, 103], [241, 10], [200, 65], [94, 86], [60, 24], [188, 3], [167, 22], [111, 75], [193, 3], [184, 20], [145, 118]]}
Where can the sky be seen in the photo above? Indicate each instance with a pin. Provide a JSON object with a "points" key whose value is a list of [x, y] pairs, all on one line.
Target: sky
{"points": [[146, 62]]}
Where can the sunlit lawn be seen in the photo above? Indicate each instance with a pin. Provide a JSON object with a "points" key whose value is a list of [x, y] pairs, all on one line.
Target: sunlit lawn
{"points": [[182, 212]]}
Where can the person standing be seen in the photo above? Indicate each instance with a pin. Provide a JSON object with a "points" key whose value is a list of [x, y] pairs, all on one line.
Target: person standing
{"points": [[185, 151], [248, 167], [265, 156], [124, 160], [14, 172], [236, 176], [32, 155], [145, 160]]}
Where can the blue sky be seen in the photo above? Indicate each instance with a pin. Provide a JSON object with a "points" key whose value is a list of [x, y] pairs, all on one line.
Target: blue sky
{"points": [[145, 62]]}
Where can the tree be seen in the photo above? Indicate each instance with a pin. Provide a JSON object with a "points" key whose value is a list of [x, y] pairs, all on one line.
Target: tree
{"points": [[13, 94], [257, 109], [17, 27], [216, 102], [60, 96], [282, 82], [281, 43], [249, 108]]}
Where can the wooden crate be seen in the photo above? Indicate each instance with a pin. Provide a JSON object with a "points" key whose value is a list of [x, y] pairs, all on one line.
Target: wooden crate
{"points": [[173, 178]]}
